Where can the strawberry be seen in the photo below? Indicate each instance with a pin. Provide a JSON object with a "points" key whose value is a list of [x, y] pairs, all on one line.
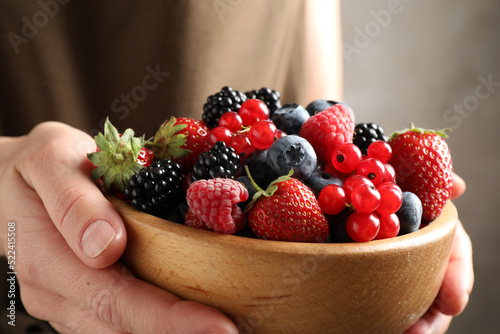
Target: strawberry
{"points": [[329, 128], [287, 210], [118, 157], [422, 161], [181, 140]]}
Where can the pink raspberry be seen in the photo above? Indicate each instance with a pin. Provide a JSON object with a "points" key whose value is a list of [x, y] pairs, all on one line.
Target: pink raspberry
{"points": [[329, 128], [215, 201]]}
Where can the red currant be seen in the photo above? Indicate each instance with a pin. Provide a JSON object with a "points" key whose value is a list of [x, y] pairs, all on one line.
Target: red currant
{"points": [[391, 198], [389, 226], [390, 173], [242, 145], [262, 134], [365, 198], [280, 134], [253, 110], [220, 134], [353, 182], [330, 168], [346, 157], [380, 150], [372, 169], [332, 199], [362, 227], [231, 120]]}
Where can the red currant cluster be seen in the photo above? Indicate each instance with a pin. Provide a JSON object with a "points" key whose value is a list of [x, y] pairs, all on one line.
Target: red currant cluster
{"points": [[246, 130], [369, 190]]}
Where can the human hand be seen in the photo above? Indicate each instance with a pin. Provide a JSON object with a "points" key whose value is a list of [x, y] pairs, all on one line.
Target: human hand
{"points": [[458, 280], [68, 241]]}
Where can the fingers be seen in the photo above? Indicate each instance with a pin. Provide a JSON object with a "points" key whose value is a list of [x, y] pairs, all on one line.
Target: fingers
{"points": [[58, 170], [433, 322], [459, 278], [64, 316], [458, 187], [115, 298]]}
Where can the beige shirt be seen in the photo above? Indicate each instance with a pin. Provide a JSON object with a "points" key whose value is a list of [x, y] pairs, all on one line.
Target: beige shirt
{"points": [[140, 61]]}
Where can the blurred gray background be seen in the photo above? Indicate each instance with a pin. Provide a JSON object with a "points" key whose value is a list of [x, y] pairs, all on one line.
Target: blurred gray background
{"points": [[437, 64]]}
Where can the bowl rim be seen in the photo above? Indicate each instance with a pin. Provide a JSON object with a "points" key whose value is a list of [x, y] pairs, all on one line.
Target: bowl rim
{"points": [[435, 230]]}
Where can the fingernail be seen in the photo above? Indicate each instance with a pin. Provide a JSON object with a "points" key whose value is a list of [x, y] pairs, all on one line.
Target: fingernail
{"points": [[97, 237]]}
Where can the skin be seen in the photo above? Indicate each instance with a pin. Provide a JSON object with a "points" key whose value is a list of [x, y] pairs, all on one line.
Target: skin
{"points": [[458, 281]]}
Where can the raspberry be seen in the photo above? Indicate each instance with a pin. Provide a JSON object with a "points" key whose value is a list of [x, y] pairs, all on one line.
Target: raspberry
{"points": [[215, 201], [329, 128]]}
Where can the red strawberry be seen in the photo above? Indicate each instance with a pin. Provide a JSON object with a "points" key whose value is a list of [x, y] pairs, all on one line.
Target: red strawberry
{"points": [[181, 140], [329, 128], [422, 162], [287, 210], [215, 202], [193, 220], [118, 156]]}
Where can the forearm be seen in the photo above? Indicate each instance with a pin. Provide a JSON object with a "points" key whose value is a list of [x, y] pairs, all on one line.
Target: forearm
{"points": [[323, 51]]}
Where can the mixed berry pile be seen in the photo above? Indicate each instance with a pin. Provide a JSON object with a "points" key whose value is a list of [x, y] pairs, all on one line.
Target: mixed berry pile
{"points": [[254, 167]]}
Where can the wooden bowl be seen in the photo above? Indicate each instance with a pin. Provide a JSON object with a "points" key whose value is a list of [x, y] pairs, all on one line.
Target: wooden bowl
{"points": [[264, 286]]}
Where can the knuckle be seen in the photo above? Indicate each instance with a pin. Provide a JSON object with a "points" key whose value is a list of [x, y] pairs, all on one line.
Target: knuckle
{"points": [[32, 305], [103, 305], [67, 201]]}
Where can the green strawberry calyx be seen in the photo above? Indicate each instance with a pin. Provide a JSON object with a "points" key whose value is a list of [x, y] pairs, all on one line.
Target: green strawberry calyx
{"points": [[116, 156], [442, 133], [269, 191], [168, 140]]}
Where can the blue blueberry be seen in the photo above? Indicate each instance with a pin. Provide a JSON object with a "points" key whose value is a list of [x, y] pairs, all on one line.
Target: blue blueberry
{"points": [[290, 152], [319, 105], [319, 179], [251, 191], [290, 118], [259, 170], [410, 213], [337, 225]]}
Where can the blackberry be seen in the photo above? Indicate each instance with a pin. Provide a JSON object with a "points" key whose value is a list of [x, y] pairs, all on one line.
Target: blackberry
{"points": [[270, 97], [219, 161], [155, 188], [217, 104], [367, 133]]}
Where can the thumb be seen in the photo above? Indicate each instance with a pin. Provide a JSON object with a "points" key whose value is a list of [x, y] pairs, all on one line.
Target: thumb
{"points": [[59, 171]]}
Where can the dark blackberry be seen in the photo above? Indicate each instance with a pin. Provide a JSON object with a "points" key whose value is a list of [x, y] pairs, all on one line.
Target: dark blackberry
{"points": [[367, 133], [155, 188], [219, 161], [270, 97], [226, 100]]}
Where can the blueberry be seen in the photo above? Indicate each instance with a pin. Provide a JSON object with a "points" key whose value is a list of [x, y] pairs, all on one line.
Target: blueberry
{"points": [[290, 152], [251, 191], [410, 213], [319, 105], [337, 225], [290, 118], [259, 170], [320, 179]]}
